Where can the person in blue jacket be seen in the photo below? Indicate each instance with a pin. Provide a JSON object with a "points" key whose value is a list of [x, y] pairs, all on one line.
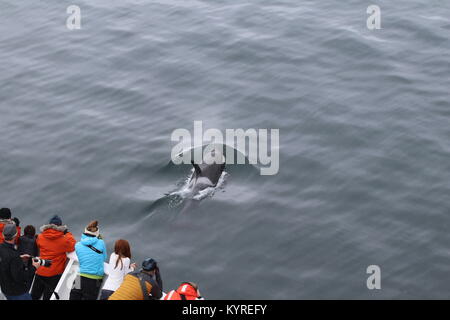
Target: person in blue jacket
{"points": [[91, 252]]}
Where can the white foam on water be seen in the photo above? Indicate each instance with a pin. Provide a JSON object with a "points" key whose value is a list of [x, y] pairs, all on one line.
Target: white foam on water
{"points": [[184, 189], [185, 192]]}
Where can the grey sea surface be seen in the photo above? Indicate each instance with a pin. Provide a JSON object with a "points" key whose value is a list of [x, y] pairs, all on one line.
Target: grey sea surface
{"points": [[86, 118]]}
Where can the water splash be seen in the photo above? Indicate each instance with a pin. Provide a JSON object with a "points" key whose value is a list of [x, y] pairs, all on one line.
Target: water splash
{"points": [[209, 192], [185, 192]]}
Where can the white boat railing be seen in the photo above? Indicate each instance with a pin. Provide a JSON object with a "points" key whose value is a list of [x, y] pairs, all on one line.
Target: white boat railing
{"points": [[65, 284], [69, 277]]}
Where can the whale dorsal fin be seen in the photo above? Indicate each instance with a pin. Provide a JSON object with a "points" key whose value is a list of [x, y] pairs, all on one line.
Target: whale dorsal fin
{"points": [[197, 168]]}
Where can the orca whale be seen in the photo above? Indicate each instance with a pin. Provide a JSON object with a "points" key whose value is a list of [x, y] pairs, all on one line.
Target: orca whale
{"points": [[206, 175]]}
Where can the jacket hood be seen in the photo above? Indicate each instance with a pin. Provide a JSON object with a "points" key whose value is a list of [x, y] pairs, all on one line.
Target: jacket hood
{"points": [[88, 240], [187, 290], [52, 231], [5, 221]]}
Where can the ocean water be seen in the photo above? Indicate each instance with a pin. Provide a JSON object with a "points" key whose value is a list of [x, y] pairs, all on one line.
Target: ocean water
{"points": [[86, 118]]}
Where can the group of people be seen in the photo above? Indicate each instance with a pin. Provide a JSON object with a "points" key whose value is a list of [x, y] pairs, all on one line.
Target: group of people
{"points": [[31, 265]]}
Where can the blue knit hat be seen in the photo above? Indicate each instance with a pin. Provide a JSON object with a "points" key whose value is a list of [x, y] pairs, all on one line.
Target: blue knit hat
{"points": [[149, 264], [56, 220]]}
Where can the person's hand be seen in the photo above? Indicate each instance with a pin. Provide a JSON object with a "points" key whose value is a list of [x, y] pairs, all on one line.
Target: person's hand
{"points": [[16, 220], [25, 256], [35, 264], [133, 266]]}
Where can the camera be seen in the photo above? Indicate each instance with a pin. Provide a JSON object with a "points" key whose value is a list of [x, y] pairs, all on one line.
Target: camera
{"points": [[42, 262]]}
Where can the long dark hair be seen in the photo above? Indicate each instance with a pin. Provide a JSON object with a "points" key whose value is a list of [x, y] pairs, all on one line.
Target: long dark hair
{"points": [[122, 249]]}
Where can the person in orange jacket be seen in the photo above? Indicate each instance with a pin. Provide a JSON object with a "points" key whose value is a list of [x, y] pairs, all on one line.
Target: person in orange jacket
{"points": [[53, 243], [186, 291], [5, 218]]}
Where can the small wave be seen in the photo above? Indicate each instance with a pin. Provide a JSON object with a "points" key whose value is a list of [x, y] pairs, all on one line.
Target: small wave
{"points": [[362, 34], [435, 18]]}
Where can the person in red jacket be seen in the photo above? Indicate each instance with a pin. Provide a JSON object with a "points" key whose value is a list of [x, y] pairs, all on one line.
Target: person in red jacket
{"points": [[53, 243], [186, 291], [5, 218]]}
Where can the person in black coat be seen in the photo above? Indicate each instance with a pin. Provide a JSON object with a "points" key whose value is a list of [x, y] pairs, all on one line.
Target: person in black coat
{"points": [[27, 245], [27, 242], [13, 271]]}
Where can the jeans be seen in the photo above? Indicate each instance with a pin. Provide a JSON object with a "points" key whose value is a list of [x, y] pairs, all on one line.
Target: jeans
{"points": [[44, 287], [24, 296]]}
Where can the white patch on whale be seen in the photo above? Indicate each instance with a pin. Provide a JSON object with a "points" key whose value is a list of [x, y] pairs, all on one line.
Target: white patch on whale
{"points": [[185, 190]]}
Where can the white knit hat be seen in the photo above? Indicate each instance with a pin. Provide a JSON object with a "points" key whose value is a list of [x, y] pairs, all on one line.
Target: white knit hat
{"points": [[92, 233]]}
